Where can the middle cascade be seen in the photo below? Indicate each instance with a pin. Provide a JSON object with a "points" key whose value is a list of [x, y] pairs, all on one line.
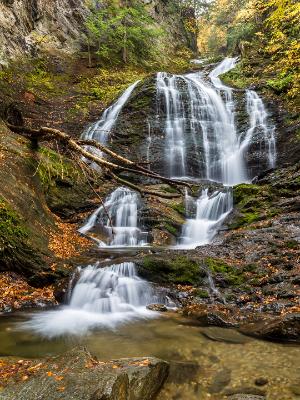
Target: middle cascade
{"points": [[118, 218]]}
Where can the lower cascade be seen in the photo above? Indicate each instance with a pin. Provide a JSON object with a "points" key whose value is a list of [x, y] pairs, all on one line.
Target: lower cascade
{"points": [[211, 211], [118, 219], [102, 297]]}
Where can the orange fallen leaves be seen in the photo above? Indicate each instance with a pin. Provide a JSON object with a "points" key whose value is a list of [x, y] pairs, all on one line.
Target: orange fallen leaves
{"points": [[67, 242], [20, 370], [15, 291]]}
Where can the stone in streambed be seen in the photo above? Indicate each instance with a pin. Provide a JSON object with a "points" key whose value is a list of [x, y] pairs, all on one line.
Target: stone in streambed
{"points": [[183, 371], [157, 307], [220, 380], [224, 335], [75, 375], [283, 328]]}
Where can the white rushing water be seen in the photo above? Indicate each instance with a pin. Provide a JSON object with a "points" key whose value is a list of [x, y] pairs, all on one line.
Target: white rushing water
{"points": [[205, 119], [118, 218], [102, 297], [211, 212], [101, 129], [198, 116], [200, 123], [259, 124]]}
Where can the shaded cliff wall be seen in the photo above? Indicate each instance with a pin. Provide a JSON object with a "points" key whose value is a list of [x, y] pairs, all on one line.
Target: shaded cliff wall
{"points": [[28, 27]]}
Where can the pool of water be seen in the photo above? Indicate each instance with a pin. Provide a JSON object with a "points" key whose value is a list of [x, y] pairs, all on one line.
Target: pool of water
{"points": [[205, 361]]}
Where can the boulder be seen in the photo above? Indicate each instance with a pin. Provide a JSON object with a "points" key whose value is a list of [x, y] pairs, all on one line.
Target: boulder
{"points": [[282, 328], [76, 375]]}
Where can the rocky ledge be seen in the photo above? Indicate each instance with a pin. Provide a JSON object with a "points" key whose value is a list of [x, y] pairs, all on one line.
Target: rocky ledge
{"points": [[76, 375]]}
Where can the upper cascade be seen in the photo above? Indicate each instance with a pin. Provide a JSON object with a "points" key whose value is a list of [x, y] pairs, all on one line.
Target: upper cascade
{"points": [[100, 130], [196, 135]]}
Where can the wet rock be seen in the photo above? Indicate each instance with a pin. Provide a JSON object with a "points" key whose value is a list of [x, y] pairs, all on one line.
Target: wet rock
{"points": [[261, 381], [86, 378], [245, 397], [283, 328], [295, 389], [225, 335], [183, 371], [207, 318], [220, 380], [157, 307], [243, 391]]}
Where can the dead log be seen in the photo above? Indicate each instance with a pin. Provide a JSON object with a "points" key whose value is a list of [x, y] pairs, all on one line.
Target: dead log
{"points": [[124, 164]]}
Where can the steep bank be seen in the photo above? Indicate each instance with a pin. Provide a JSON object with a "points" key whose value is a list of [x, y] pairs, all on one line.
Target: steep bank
{"points": [[35, 28]]}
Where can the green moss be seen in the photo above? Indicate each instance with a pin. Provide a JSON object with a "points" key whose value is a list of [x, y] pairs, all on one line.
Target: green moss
{"points": [[52, 166], [15, 251], [203, 294], [217, 266], [254, 203], [170, 228], [180, 208], [177, 270], [292, 244], [237, 78], [233, 276]]}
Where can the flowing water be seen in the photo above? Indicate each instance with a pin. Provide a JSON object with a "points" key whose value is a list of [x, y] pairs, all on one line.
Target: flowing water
{"points": [[202, 142], [101, 129], [211, 211], [117, 217], [102, 297]]}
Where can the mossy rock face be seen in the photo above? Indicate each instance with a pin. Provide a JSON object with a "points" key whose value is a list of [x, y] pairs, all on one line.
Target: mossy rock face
{"points": [[66, 189], [253, 203], [232, 275], [15, 251], [178, 270]]}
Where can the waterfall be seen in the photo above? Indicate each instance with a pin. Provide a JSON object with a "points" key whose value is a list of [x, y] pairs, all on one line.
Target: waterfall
{"points": [[259, 124], [211, 211], [201, 122], [101, 129], [119, 214], [202, 142], [102, 297], [118, 218], [168, 87]]}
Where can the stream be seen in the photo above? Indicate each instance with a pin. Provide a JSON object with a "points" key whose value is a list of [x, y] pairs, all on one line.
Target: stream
{"points": [[106, 309]]}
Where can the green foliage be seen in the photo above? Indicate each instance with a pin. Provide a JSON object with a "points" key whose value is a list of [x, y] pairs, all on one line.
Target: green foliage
{"points": [[202, 293], [170, 228], [121, 33], [52, 167], [15, 252]]}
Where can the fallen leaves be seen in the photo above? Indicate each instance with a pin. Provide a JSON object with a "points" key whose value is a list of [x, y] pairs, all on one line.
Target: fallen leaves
{"points": [[21, 370], [67, 243], [15, 292]]}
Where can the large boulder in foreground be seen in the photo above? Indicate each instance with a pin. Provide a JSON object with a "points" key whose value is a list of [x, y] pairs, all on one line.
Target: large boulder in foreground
{"points": [[76, 375], [283, 328]]}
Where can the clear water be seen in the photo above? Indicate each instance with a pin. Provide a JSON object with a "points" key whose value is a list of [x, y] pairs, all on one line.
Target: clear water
{"points": [[174, 339]]}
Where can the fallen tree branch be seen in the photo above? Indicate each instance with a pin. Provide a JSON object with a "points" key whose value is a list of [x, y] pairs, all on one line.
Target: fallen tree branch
{"points": [[108, 166]]}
